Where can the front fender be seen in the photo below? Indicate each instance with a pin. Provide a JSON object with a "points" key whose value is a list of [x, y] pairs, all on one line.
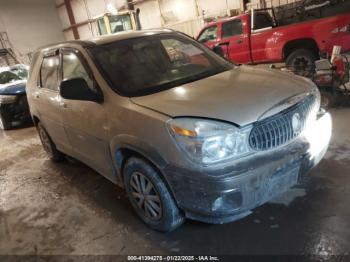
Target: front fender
{"points": [[137, 145]]}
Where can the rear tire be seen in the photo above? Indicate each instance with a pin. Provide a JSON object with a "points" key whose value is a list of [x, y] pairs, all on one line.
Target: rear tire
{"points": [[302, 62], [48, 145], [150, 197]]}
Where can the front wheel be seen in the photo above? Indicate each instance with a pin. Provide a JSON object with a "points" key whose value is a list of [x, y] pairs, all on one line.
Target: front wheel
{"points": [[150, 197], [302, 62]]}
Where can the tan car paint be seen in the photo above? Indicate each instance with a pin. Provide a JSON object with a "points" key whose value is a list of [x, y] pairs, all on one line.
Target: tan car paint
{"points": [[92, 132], [248, 92]]}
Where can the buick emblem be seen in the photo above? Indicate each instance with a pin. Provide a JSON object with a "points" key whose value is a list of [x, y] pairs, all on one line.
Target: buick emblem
{"points": [[296, 122]]}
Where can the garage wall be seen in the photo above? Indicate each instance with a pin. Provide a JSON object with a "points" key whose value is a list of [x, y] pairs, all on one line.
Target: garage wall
{"points": [[29, 25], [84, 10], [184, 15]]}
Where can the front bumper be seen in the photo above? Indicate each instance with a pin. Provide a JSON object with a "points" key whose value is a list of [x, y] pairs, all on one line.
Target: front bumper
{"points": [[229, 193]]}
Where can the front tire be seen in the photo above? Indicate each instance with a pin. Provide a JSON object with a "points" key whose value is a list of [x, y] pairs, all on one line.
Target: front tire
{"points": [[48, 145], [302, 62], [150, 197]]}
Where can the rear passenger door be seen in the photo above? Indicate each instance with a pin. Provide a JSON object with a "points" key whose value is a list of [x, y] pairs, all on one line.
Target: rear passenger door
{"points": [[85, 121], [49, 101], [237, 42]]}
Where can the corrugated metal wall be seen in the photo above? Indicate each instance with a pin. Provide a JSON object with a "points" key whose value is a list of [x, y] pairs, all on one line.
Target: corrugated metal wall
{"points": [[184, 15]]}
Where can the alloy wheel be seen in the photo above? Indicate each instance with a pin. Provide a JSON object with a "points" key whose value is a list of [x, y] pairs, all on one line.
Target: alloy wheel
{"points": [[145, 196], [303, 66]]}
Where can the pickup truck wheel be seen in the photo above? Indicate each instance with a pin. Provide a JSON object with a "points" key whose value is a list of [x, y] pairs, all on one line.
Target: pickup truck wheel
{"points": [[48, 145], [5, 124], [150, 197], [302, 62]]}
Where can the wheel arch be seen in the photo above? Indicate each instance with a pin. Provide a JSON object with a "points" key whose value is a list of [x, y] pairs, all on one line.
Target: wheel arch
{"points": [[123, 153], [304, 43], [125, 146]]}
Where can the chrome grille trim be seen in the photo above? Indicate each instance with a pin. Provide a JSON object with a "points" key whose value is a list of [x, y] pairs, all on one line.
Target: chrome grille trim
{"points": [[278, 130]]}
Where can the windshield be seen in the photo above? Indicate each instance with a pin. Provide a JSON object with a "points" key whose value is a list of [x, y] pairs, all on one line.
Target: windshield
{"points": [[13, 74], [146, 65]]}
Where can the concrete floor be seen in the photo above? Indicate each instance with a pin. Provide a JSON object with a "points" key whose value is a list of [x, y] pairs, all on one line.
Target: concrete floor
{"points": [[67, 208]]}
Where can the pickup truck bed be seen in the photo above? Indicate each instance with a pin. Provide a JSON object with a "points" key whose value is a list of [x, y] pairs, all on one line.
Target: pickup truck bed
{"points": [[244, 40]]}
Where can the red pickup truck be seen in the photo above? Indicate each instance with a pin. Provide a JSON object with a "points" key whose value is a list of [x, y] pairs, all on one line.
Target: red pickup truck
{"points": [[255, 37]]}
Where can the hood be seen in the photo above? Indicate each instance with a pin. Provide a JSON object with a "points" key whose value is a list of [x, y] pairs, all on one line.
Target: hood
{"points": [[241, 96], [15, 88]]}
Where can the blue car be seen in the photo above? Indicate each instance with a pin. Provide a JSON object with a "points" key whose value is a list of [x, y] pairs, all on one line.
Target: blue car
{"points": [[13, 98]]}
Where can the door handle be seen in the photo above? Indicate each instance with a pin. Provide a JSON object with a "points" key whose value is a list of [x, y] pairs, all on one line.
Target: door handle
{"points": [[225, 43], [239, 41]]}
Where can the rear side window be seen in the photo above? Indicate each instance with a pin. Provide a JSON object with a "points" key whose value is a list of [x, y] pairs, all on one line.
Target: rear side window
{"points": [[49, 73], [232, 28], [262, 20], [209, 34]]}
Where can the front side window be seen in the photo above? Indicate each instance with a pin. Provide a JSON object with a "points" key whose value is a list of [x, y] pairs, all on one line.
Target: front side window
{"points": [[49, 73], [232, 28], [209, 34], [72, 67], [145, 65]]}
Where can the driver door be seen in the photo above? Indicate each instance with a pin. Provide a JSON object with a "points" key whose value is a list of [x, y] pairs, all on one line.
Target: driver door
{"points": [[85, 122]]}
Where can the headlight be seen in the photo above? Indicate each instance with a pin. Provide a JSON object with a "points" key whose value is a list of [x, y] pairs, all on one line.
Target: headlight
{"points": [[7, 99], [208, 141], [316, 92], [316, 106]]}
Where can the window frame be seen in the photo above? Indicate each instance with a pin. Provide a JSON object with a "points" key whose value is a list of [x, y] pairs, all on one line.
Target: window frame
{"points": [[68, 50], [252, 22], [51, 53]]}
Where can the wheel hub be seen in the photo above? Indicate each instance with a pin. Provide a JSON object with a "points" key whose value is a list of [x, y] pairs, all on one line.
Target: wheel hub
{"points": [[145, 196], [302, 65]]}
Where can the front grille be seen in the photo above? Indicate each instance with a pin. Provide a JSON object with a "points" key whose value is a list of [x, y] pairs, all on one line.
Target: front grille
{"points": [[279, 129]]}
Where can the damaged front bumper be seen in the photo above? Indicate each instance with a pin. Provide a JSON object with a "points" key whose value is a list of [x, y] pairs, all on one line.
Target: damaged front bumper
{"points": [[230, 192]]}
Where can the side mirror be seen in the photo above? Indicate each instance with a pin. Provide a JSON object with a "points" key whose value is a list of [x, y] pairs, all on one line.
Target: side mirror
{"points": [[78, 89]]}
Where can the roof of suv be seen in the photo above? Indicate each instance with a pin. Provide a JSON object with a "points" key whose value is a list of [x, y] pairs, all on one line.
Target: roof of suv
{"points": [[101, 40]]}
